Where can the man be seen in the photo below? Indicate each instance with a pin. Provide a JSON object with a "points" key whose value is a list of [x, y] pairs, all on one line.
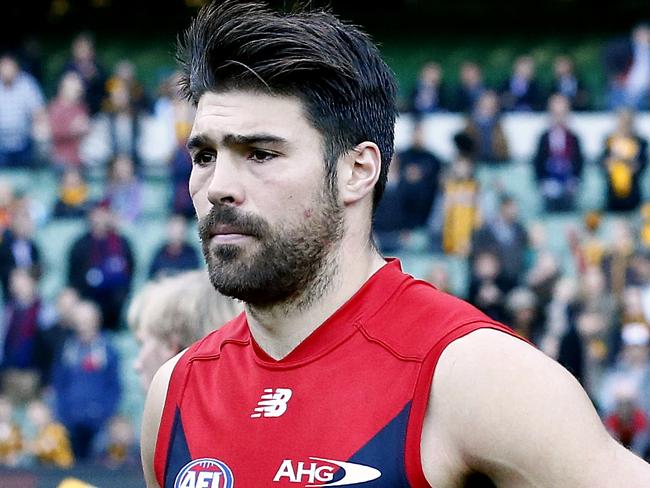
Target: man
{"points": [[23, 109], [558, 160], [327, 379]]}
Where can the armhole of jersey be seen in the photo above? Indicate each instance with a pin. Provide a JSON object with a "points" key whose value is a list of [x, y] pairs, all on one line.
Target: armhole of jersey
{"points": [[175, 389], [412, 454]]}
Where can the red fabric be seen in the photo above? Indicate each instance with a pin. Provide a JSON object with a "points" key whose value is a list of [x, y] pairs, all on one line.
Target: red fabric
{"points": [[625, 431], [372, 358]]}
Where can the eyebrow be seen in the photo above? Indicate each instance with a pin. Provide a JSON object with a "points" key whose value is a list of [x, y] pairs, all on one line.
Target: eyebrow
{"points": [[201, 140]]}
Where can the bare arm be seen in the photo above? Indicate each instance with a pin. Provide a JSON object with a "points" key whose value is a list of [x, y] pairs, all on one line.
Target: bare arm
{"points": [[505, 409], [153, 409]]}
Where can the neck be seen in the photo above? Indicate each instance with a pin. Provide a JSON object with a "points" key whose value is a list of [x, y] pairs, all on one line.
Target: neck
{"points": [[280, 328]]}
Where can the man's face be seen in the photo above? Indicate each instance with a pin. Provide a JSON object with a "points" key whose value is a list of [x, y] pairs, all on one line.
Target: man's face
{"points": [[268, 220], [8, 70]]}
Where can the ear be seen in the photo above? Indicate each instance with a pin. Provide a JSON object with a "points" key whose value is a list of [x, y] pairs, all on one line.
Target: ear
{"points": [[359, 171]]}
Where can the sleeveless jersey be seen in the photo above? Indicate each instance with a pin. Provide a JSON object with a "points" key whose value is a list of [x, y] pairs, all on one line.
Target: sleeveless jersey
{"points": [[345, 407]]}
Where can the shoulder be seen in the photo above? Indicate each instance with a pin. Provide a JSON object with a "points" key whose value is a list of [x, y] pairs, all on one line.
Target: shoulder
{"points": [[419, 317], [513, 413]]}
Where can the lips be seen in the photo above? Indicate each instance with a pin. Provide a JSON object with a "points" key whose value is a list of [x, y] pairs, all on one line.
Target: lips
{"points": [[224, 230]]}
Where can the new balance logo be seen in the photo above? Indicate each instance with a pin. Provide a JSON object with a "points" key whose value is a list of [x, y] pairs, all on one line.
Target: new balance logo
{"points": [[273, 403]]}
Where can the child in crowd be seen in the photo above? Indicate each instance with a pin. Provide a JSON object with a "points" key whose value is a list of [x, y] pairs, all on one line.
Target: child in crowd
{"points": [[124, 190], [121, 447], [50, 444], [73, 195]]}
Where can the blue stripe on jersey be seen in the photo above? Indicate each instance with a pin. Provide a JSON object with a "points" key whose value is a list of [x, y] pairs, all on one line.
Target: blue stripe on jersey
{"points": [[178, 454], [385, 451]]}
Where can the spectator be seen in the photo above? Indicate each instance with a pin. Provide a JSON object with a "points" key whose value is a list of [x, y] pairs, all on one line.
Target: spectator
{"points": [[164, 325], [181, 167], [18, 249], [86, 381], [506, 237], [567, 84], [558, 160], [628, 423], [53, 334], [456, 214], [624, 160], [542, 279], [485, 131], [627, 63], [522, 312], [120, 124], [439, 277], [124, 190], [428, 96], [50, 445], [11, 438], [72, 201], [176, 254], [388, 221], [125, 73], [84, 63], [587, 245], [471, 87], [521, 92], [617, 261], [594, 335], [632, 366], [6, 204], [69, 122], [486, 287], [22, 105], [121, 449], [101, 265], [419, 172], [594, 296]]}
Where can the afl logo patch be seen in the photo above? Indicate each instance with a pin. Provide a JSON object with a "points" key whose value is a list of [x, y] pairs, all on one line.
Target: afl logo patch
{"points": [[204, 473]]}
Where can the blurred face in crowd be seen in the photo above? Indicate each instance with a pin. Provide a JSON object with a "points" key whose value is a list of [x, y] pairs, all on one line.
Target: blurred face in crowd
{"points": [[487, 266], [625, 121], [120, 98], [418, 136], [509, 211], [71, 87], [120, 432], [462, 168], [470, 74], [154, 350], [83, 49], [38, 414], [562, 66], [6, 410], [431, 74], [101, 221], [8, 70], [125, 70], [558, 108], [87, 321], [268, 220], [176, 230], [488, 105], [525, 67], [22, 225], [66, 304], [123, 169], [22, 286]]}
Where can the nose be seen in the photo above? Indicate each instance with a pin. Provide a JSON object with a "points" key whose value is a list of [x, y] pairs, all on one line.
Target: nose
{"points": [[226, 183]]}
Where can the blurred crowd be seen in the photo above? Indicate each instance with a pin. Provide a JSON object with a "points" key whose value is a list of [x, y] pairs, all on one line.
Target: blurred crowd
{"points": [[61, 386]]}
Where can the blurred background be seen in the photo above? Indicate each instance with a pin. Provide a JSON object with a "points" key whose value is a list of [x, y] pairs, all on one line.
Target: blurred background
{"points": [[519, 183]]}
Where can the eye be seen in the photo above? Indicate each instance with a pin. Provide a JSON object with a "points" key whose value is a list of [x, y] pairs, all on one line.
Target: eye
{"points": [[261, 156], [203, 158]]}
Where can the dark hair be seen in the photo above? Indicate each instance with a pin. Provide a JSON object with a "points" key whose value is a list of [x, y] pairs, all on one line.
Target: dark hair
{"points": [[332, 67]]}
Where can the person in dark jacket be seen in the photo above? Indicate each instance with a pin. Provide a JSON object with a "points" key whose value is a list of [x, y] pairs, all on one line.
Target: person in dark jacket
{"points": [[101, 265], [175, 254], [18, 249], [558, 160], [86, 381]]}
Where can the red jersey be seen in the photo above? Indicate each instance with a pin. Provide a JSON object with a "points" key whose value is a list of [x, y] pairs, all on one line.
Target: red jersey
{"points": [[345, 407]]}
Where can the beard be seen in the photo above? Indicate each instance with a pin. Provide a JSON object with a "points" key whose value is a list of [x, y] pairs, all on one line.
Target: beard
{"points": [[288, 263]]}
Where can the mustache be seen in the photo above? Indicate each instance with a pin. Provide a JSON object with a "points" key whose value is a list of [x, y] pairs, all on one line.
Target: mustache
{"points": [[225, 215]]}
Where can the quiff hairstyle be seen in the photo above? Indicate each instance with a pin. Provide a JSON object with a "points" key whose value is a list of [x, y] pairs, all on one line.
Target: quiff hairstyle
{"points": [[347, 89]]}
